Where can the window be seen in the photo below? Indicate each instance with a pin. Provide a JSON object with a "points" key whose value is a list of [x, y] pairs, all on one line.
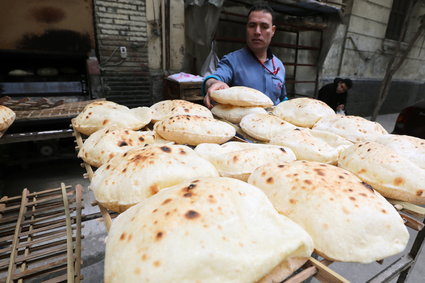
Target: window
{"points": [[396, 21]]}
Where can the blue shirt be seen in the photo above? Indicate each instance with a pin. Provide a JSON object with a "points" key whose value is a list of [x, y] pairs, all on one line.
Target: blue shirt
{"points": [[241, 68]]}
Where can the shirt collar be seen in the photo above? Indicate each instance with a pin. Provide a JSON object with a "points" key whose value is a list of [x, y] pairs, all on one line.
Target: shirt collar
{"points": [[269, 53]]}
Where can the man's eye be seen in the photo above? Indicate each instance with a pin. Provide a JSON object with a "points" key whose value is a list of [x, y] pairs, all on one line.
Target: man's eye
{"points": [[264, 26]]}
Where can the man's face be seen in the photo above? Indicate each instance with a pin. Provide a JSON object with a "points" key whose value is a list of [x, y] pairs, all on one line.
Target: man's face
{"points": [[341, 88], [259, 30]]}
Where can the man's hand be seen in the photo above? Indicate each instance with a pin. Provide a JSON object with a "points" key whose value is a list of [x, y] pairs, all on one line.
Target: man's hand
{"points": [[340, 107], [212, 85]]}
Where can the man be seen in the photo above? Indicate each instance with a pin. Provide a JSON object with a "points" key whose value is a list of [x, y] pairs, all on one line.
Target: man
{"points": [[253, 66], [335, 94]]}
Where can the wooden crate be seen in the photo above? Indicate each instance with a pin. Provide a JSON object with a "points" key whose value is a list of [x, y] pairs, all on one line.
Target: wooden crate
{"points": [[190, 91]]}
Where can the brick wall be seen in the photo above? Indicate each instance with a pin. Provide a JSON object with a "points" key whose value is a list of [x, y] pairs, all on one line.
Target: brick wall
{"points": [[123, 23]]}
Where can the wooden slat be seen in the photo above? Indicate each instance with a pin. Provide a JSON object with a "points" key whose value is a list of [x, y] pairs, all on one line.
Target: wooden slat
{"points": [[409, 207], [77, 267], [26, 251], [106, 216], [411, 222], [325, 274], [303, 275], [22, 211], [70, 252]]}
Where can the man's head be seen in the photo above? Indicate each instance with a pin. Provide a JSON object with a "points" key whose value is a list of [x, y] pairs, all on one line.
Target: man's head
{"points": [[260, 28], [343, 85]]}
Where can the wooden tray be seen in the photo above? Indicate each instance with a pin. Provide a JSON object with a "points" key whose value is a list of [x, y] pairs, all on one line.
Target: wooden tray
{"points": [[40, 235]]}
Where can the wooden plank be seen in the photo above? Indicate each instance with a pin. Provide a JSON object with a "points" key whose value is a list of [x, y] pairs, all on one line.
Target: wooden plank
{"points": [[303, 275], [22, 211], [408, 207], [325, 274], [106, 216], [77, 267], [36, 194], [27, 251], [411, 222], [47, 226], [70, 251]]}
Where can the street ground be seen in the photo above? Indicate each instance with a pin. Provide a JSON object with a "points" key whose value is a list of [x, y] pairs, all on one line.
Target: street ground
{"points": [[41, 176]]}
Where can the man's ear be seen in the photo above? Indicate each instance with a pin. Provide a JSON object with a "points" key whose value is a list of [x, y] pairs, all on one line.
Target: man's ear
{"points": [[273, 29]]}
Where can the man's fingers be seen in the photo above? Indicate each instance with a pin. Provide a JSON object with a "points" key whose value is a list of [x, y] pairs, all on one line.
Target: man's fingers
{"points": [[207, 101]]}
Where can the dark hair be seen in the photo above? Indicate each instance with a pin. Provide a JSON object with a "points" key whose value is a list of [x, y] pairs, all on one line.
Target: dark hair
{"points": [[262, 6], [347, 82]]}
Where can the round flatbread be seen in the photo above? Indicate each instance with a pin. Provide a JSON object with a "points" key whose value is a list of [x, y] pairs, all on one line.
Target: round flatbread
{"points": [[193, 130], [393, 175], [303, 112], [312, 145], [241, 96], [347, 219], [167, 108], [7, 116], [204, 230], [141, 172], [263, 127], [239, 159], [104, 144], [409, 147], [100, 114], [234, 114], [353, 128]]}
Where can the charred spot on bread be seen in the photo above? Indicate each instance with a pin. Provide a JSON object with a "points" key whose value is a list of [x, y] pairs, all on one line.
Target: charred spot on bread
{"points": [[367, 186], [122, 143], [192, 214], [165, 148]]}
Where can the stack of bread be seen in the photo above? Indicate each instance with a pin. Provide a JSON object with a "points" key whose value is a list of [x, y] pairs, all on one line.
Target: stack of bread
{"points": [[236, 102], [188, 123], [249, 212]]}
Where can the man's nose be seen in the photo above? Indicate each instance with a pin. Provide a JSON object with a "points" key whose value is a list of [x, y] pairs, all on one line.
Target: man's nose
{"points": [[257, 29]]}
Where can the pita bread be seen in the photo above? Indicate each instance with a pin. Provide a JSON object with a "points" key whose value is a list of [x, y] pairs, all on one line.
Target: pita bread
{"points": [[104, 144], [312, 145], [234, 114], [241, 96], [409, 147], [393, 175], [303, 112], [203, 230], [7, 116], [167, 108], [353, 128], [193, 130], [263, 127], [238, 159], [100, 114], [347, 220], [141, 172]]}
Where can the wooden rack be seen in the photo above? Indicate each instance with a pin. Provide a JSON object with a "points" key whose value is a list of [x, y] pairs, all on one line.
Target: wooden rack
{"points": [[40, 235]]}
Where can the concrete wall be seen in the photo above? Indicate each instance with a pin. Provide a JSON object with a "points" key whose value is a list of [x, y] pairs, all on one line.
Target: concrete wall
{"points": [[361, 52]]}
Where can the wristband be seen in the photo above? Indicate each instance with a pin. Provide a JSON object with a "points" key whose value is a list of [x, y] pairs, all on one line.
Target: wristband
{"points": [[205, 80]]}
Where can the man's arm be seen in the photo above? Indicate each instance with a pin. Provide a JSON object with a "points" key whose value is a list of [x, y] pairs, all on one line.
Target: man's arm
{"points": [[210, 86]]}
